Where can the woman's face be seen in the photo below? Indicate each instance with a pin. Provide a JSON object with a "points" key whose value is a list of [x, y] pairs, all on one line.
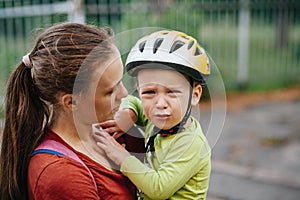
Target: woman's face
{"points": [[164, 95], [104, 95]]}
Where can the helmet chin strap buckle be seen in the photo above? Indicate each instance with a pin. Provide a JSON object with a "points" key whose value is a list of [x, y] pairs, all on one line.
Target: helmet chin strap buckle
{"points": [[171, 131], [163, 133]]}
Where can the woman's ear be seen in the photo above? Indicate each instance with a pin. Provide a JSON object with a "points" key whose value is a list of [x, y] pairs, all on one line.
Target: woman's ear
{"points": [[69, 102], [197, 92]]}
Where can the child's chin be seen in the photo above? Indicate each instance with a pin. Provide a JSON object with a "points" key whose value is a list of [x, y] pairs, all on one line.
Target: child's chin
{"points": [[162, 127]]}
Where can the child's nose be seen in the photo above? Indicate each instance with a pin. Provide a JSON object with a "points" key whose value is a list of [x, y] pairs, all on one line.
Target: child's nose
{"points": [[161, 102]]}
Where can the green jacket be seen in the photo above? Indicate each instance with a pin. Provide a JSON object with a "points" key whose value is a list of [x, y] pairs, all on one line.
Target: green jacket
{"points": [[180, 167]]}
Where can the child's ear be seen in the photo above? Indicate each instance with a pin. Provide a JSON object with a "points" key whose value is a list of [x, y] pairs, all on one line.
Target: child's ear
{"points": [[69, 102], [197, 92]]}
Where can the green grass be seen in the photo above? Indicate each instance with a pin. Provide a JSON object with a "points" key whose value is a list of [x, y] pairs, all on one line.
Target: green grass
{"points": [[1, 112], [10, 55], [269, 66]]}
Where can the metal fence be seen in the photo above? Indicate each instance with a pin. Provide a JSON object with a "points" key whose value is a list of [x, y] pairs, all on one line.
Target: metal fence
{"points": [[255, 44]]}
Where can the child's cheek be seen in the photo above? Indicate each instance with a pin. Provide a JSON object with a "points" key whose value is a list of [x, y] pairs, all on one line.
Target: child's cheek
{"points": [[147, 111]]}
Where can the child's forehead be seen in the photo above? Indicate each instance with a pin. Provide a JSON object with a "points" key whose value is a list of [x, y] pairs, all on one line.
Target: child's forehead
{"points": [[158, 70], [160, 77], [153, 67], [153, 72]]}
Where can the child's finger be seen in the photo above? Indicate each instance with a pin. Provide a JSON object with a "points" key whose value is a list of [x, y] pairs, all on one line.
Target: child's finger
{"points": [[96, 128], [104, 137], [118, 134], [101, 145], [97, 136], [101, 136], [112, 130], [108, 123]]}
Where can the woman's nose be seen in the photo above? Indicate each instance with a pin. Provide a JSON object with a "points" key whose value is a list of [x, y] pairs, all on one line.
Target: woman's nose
{"points": [[123, 92]]}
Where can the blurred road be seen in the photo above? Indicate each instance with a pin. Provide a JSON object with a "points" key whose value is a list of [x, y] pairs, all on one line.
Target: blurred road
{"points": [[257, 156]]}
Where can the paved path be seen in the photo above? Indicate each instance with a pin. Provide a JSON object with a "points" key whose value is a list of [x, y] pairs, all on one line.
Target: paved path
{"points": [[258, 154]]}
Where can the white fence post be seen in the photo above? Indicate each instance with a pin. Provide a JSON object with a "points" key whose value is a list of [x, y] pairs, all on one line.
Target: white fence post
{"points": [[243, 48], [76, 13]]}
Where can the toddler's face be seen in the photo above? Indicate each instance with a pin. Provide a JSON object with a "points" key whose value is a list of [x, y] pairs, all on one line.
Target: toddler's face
{"points": [[164, 95]]}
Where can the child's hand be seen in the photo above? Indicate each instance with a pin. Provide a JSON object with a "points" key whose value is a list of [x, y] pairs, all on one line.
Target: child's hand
{"points": [[111, 127], [125, 119], [114, 151]]}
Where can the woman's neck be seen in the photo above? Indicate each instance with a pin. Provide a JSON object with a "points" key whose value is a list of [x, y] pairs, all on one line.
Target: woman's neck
{"points": [[80, 138]]}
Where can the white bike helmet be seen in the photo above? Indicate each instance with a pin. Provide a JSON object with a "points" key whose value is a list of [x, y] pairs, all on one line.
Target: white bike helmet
{"points": [[172, 48]]}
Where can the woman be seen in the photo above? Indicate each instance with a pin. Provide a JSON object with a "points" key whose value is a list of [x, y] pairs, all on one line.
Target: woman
{"points": [[70, 80]]}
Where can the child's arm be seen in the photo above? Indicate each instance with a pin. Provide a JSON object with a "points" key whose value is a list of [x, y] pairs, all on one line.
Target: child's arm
{"points": [[135, 104], [186, 157]]}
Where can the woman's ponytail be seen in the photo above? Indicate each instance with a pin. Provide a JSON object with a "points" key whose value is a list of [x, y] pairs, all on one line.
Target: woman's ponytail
{"points": [[25, 116]]}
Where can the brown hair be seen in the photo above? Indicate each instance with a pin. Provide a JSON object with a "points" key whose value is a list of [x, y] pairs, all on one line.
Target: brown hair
{"points": [[55, 59]]}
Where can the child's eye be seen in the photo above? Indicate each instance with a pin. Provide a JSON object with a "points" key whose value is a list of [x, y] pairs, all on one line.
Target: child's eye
{"points": [[148, 92], [174, 91]]}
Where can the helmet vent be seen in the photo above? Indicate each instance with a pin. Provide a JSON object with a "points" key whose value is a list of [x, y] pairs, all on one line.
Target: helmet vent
{"points": [[197, 52], [191, 44], [185, 37], [177, 44], [142, 46], [157, 44]]}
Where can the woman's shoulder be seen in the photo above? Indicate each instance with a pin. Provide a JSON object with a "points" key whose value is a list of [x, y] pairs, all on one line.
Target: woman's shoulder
{"points": [[45, 162], [52, 175]]}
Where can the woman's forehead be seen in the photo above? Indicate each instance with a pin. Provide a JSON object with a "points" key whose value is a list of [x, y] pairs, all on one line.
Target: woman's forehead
{"points": [[109, 74]]}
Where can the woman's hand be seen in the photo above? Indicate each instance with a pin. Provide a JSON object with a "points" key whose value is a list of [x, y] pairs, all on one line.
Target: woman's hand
{"points": [[114, 151]]}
